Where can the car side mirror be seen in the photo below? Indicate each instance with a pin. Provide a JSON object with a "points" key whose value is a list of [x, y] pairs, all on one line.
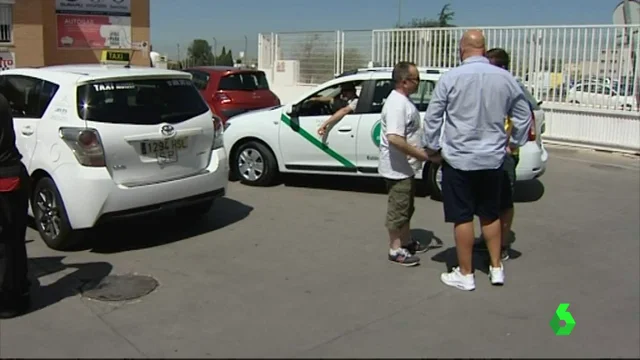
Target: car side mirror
{"points": [[540, 102], [293, 110]]}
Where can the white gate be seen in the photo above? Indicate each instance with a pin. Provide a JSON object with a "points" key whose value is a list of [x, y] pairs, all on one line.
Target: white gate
{"points": [[586, 76]]}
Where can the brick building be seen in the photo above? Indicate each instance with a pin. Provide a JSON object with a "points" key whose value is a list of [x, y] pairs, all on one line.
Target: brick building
{"points": [[53, 32]]}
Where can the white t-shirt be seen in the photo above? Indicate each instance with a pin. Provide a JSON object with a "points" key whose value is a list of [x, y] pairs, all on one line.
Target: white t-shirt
{"points": [[352, 104], [399, 117]]}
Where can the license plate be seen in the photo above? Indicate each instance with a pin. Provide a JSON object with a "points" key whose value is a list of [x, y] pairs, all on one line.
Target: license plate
{"points": [[165, 151]]}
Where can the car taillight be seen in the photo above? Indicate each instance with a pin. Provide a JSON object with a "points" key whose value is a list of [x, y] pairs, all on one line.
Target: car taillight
{"points": [[218, 130], [85, 144], [222, 98], [532, 129]]}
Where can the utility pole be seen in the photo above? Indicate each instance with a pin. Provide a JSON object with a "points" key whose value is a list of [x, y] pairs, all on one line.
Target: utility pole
{"points": [[399, 12]]}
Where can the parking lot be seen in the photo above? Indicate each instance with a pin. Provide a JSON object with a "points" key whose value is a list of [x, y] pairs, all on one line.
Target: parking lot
{"points": [[300, 270]]}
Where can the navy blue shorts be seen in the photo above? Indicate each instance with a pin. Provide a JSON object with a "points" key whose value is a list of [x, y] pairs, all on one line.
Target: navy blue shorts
{"points": [[466, 194]]}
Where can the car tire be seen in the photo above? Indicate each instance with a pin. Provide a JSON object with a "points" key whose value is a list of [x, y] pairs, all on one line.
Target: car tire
{"points": [[50, 216], [435, 181], [255, 174], [195, 211]]}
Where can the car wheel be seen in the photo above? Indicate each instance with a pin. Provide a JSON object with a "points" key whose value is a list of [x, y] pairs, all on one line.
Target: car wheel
{"points": [[254, 164], [195, 211], [50, 216], [435, 181]]}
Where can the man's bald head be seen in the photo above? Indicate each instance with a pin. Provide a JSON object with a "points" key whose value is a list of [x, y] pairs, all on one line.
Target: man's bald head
{"points": [[472, 44]]}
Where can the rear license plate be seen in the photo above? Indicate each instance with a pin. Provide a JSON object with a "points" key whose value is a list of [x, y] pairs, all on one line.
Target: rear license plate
{"points": [[165, 151]]}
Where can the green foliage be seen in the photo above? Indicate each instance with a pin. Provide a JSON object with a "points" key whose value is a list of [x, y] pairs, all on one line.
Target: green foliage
{"points": [[441, 38], [225, 58], [445, 16], [199, 53]]}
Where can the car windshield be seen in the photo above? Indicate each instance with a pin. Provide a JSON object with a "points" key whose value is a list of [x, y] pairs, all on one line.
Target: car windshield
{"points": [[140, 102], [244, 81]]}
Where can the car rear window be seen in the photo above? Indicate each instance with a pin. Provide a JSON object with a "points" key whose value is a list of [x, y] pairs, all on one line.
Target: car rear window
{"points": [[140, 102], [247, 81]]}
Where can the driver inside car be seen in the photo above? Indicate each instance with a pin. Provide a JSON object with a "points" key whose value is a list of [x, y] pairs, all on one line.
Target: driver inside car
{"points": [[345, 103]]}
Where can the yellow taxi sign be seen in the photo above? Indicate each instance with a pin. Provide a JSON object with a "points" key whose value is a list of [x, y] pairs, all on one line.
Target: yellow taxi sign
{"points": [[116, 56]]}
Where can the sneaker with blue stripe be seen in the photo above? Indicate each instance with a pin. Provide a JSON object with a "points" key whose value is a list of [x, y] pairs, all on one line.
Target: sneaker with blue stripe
{"points": [[403, 257]]}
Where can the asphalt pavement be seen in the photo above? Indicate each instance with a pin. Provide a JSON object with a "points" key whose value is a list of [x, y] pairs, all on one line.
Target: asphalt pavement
{"points": [[300, 270]]}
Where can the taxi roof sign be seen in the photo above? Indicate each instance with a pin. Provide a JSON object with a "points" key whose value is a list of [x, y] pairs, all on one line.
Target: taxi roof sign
{"points": [[115, 57]]}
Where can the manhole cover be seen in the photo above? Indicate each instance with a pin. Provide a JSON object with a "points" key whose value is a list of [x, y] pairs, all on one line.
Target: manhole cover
{"points": [[119, 287]]}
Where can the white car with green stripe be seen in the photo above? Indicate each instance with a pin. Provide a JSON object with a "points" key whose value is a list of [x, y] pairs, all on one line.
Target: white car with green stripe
{"points": [[283, 139]]}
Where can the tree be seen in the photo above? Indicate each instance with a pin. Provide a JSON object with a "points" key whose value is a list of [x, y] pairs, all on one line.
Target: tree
{"points": [[199, 53], [221, 58], [228, 59], [439, 38], [225, 58]]}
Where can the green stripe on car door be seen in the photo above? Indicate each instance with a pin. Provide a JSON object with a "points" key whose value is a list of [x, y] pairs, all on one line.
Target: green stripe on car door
{"points": [[317, 143]]}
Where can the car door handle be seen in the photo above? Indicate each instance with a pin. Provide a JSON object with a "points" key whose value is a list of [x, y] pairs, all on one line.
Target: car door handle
{"points": [[27, 130], [345, 129]]}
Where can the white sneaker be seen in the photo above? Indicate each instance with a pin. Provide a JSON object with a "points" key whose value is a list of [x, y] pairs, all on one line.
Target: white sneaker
{"points": [[457, 280], [496, 275]]}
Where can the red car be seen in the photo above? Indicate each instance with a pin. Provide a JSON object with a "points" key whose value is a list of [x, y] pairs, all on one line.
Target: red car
{"points": [[231, 91]]}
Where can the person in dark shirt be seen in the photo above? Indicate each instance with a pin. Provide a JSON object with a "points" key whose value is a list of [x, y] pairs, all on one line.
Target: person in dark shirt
{"points": [[14, 202]]}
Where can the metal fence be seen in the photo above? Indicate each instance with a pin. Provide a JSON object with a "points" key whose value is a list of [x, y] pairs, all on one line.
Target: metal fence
{"points": [[587, 66]]}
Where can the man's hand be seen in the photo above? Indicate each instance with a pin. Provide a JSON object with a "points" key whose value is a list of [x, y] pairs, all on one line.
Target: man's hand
{"points": [[322, 129], [423, 153], [435, 158]]}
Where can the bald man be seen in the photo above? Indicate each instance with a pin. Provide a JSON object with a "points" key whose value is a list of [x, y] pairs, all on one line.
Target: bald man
{"points": [[477, 97]]}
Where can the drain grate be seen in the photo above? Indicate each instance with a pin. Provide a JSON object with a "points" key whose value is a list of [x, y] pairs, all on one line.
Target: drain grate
{"points": [[119, 287]]}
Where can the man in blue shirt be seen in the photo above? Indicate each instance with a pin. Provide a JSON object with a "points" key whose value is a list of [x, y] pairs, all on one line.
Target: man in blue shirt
{"points": [[468, 108]]}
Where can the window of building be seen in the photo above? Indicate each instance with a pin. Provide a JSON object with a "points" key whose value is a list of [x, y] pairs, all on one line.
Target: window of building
{"points": [[6, 21]]}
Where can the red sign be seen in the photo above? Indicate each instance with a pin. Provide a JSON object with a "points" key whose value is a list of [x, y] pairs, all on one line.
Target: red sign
{"points": [[93, 31]]}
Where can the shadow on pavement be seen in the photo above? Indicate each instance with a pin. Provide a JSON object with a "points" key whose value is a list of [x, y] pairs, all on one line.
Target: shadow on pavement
{"points": [[161, 229], [480, 255], [69, 285], [427, 238], [528, 191], [370, 185]]}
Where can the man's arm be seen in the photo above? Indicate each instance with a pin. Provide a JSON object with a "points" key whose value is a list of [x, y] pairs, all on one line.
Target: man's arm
{"points": [[396, 122], [337, 116], [434, 117], [520, 114], [326, 99]]}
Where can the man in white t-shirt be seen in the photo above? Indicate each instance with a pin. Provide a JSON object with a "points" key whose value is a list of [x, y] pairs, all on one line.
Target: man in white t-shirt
{"points": [[399, 154]]}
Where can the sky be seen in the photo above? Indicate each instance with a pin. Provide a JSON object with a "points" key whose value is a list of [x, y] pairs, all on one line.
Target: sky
{"points": [[229, 21]]}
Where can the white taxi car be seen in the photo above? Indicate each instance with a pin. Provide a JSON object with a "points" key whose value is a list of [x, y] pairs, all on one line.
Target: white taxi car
{"points": [[104, 142], [283, 139]]}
